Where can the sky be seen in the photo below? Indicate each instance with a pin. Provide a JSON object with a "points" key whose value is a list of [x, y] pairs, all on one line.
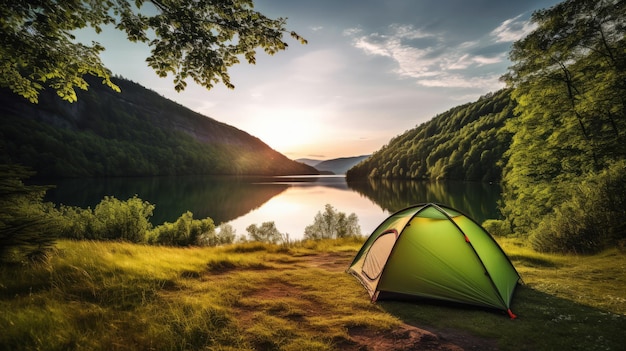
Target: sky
{"points": [[371, 70]]}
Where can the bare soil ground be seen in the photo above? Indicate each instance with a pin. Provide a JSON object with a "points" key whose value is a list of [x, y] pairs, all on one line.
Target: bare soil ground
{"points": [[406, 337]]}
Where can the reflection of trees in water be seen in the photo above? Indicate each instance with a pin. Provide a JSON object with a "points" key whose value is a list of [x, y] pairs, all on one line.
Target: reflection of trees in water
{"points": [[227, 198], [221, 198], [478, 200]]}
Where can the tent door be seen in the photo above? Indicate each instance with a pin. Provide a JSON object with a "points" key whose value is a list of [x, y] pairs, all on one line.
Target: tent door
{"points": [[378, 253]]}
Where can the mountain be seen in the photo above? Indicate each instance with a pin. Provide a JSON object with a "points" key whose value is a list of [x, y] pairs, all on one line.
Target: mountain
{"points": [[133, 133], [339, 165], [467, 142], [333, 166], [309, 161]]}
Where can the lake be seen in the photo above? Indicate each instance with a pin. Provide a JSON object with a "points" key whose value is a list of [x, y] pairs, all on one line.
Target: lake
{"points": [[290, 202]]}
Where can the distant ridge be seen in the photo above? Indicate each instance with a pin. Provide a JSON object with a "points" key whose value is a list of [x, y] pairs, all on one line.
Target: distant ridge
{"points": [[334, 166], [309, 161]]}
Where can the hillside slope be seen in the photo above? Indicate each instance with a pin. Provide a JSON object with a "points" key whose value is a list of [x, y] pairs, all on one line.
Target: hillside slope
{"points": [[133, 133], [465, 143]]}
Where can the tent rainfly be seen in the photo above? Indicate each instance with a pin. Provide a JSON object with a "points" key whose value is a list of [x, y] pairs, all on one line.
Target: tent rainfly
{"points": [[435, 252]]}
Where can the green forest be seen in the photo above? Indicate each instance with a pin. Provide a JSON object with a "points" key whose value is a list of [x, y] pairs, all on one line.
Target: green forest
{"points": [[133, 133], [555, 137], [465, 143]]}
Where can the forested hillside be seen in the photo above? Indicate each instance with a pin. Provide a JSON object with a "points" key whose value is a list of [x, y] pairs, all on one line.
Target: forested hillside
{"points": [[133, 133], [465, 143], [556, 137]]}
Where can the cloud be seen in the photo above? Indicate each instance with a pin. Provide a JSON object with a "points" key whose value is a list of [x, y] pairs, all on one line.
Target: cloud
{"points": [[512, 30], [352, 32], [431, 59], [467, 60], [459, 81]]}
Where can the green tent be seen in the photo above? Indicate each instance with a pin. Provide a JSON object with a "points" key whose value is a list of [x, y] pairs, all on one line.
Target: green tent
{"points": [[433, 251]]}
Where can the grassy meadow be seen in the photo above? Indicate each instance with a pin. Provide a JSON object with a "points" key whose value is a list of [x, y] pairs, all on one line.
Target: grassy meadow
{"points": [[121, 296]]}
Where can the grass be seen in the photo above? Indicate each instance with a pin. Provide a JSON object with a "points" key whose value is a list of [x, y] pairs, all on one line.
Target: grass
{"points": [[120, 296], [566, 303]]}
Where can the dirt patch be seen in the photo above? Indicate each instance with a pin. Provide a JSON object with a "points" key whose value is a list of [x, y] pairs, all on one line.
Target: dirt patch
{"points": [[405, 337], [331, 261], [276, 290]]}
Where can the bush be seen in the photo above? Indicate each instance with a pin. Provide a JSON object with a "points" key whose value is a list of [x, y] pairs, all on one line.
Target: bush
{"points": [[592, 220], [266, 233], [226, 235], [124, 220], [75, 222], [112, 219], [128, 220], [186, 231], [497, 227], [209, 237], [332, 224]]}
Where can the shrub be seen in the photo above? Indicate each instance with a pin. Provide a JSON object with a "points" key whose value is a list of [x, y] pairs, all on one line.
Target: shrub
{"points": [[592, 220], [226, 235], [266, 233], [332, 224], [125, 220], [497, 227], [186, 231], [75, 222], [111, 219], [209, 237]]}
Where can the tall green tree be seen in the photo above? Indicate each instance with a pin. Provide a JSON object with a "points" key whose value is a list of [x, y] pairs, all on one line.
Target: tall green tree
{"points": [[189, 39], [569, 80]]}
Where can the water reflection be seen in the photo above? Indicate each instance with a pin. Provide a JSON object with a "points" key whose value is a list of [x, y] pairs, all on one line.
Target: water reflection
{"points": [[297, 206], [478, 200], [221, 198], [290, 202]]}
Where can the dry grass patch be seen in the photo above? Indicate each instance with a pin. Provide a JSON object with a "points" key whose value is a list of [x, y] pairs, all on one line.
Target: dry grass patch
{"points": [[116, 296]]}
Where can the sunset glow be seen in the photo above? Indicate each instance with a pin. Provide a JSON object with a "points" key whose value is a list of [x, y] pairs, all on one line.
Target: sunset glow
{"points": [[285, 129], [366, 76]]}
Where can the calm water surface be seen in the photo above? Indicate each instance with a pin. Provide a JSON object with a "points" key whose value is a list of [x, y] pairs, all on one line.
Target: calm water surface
{"points": [[290, 202]]}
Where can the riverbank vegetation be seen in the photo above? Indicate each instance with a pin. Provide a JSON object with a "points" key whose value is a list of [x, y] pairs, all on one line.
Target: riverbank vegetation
{"points": [[29, 226], [92, 295]]}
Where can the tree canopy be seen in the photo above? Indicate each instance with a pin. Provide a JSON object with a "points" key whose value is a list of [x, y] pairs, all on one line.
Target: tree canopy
{"points": [[569, 79], [189, 39]]}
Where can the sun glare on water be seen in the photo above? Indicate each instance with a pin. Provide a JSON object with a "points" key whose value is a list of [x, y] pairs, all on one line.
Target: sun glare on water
{"points": [[296, 207]]}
